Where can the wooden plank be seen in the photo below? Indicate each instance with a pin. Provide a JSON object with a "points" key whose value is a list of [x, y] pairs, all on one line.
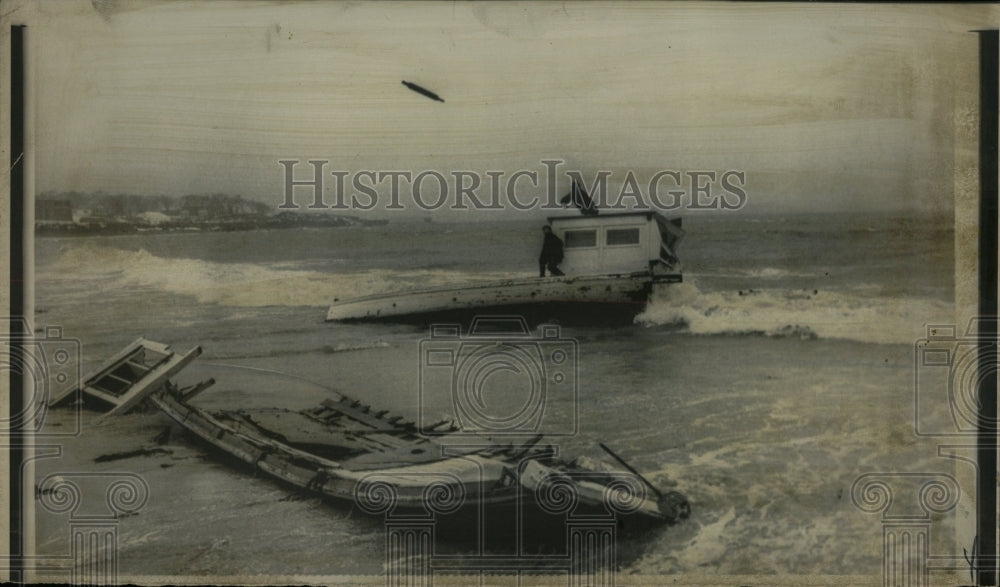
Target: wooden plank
{"points": [[137, 368], [110, 393], [190, 392], [409, 454], [120, 379], [299, 428], [357, 413], [156, 347], [140, 366], [152, 381], [208, 428], [101, 394]]}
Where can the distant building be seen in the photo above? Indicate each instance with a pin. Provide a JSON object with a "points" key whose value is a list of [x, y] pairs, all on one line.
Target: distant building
{"points": [[53, 211], [154, 218], [219, 206], [198, 207]]}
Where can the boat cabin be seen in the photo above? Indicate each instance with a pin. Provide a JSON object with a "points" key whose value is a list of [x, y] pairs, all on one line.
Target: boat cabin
{"points": [[627, 242]]}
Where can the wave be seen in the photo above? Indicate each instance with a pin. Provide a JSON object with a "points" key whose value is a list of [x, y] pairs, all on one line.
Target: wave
{"points": [[361, 346], [857, 314], [803, 314], [759, 273], [238, 284], [775, 272]]}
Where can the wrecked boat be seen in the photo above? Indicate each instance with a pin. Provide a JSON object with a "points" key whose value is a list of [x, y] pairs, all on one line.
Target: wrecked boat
{"points": [[611, 263], [351, 452]]}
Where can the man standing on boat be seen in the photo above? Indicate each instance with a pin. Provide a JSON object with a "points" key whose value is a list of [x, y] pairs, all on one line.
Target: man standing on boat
{"points": [[552, 253]]}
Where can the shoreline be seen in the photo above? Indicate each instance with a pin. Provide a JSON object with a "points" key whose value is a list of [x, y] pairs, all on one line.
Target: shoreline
{"points": [[112, 227]]}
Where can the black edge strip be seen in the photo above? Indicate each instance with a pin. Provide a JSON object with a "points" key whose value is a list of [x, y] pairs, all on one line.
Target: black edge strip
{"points": [[16, 328], [986, 490]]}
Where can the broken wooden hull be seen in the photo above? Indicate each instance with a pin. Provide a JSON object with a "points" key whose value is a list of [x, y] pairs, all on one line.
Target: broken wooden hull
{"points": [[565, 298], [493, 477], [314, 473], [346, 450]]}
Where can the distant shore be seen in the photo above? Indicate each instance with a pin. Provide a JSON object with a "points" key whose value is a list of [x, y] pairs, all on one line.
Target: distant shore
{"points": [[110, 226]]}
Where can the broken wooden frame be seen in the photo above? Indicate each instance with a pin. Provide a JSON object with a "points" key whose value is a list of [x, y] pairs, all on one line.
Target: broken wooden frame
{"points": [[131, 375]]}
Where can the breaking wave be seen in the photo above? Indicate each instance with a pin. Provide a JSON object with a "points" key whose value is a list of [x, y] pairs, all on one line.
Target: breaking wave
{"points": [[803, 314], [238, 284], [759, 273], [854, 314]]}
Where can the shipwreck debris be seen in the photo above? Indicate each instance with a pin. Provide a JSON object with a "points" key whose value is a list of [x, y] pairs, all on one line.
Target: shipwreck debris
{"points": [[124, 380], [346, 450], [140, 452]]}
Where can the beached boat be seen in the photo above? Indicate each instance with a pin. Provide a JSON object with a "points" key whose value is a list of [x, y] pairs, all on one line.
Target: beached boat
{"points": [[351, 452], [611, 263]]}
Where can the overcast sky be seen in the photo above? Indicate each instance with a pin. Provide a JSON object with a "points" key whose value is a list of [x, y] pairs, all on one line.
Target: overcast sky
{"points": [[824, 107]]}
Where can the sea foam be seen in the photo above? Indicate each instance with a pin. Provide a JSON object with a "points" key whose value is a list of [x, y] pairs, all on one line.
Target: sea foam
{"points": [[240, 284], [804, 314]]}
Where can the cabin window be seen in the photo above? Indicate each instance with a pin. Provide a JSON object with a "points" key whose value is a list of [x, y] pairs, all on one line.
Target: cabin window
{"points": [[623, 236], [576, 239]]}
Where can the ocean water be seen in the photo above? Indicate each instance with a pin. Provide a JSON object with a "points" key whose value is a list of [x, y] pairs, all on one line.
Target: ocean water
{"points": [[761, 387]]}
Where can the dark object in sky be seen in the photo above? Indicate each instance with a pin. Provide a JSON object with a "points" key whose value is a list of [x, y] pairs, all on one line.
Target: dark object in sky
{"points": [[579, 197], [423, 91]]}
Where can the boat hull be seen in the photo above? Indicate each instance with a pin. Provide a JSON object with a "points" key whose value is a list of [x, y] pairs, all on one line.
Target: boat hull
{"points": [[610, 298], [380, 463], [452, 490]]}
